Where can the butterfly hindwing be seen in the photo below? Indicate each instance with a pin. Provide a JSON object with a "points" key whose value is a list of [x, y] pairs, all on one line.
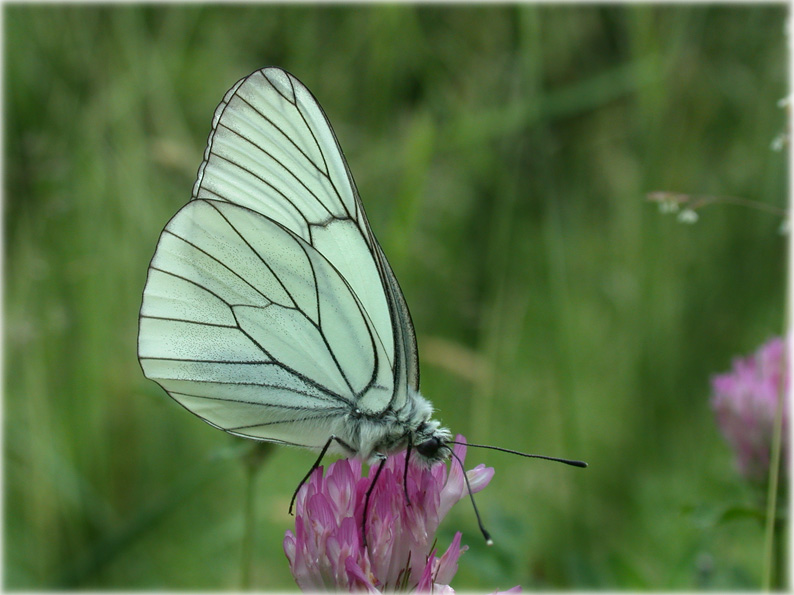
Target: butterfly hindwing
{"points": [[249, 327]]}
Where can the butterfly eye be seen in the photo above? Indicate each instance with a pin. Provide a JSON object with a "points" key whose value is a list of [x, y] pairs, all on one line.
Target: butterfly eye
{"points": [[429, 448]]}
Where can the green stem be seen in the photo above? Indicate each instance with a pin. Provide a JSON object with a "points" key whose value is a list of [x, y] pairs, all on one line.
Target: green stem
{"points": [[781, 567], [253, 461], [773, 573], [696, 201], [249, 517]]}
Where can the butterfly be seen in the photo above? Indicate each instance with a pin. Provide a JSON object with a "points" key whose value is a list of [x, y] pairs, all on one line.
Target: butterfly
{"points": [[270, 310]]}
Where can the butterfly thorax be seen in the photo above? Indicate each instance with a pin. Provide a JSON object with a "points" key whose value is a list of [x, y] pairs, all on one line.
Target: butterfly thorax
{"points": [[390, 431]]}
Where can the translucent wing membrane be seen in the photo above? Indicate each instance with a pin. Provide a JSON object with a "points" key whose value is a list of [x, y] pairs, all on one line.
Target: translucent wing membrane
{"points": [[269, 307]]}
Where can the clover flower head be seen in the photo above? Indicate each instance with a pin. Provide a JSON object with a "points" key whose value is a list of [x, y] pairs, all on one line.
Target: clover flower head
{"points": [[326, 551], [745, 404]]}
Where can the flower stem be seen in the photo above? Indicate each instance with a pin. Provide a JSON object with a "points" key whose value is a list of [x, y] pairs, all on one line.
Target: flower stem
{"points": [[248, 530], [774, 572], [695, 201], [252, 462]]}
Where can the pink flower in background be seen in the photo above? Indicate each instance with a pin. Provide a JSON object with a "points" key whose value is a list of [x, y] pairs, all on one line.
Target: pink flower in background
{"points": [[745, 401], [326, 550]]}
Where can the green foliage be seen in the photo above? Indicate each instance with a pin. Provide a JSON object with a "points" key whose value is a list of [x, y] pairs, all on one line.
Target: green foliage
{"points": [[503, 153]]}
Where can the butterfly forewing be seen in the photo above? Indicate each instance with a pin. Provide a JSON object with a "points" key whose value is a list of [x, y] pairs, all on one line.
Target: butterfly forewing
{"points": [[269, 310]]}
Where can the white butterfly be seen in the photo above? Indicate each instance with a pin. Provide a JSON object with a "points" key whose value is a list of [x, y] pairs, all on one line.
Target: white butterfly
{"points": [[270, 310]]}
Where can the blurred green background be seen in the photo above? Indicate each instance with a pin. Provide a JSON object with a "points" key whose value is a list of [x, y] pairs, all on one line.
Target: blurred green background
{"points": [[503, 154]]}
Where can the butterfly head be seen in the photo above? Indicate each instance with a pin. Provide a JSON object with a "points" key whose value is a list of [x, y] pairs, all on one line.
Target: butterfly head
{"points": [[431, 442]]}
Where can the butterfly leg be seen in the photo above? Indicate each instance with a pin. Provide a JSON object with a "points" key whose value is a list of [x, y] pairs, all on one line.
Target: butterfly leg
{"points": [[369, 493], [316, 464], [405, 472]]}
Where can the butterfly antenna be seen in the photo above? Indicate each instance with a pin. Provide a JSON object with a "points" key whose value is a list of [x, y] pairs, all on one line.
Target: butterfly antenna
{"points": [[485, 533], [572, 462]]}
